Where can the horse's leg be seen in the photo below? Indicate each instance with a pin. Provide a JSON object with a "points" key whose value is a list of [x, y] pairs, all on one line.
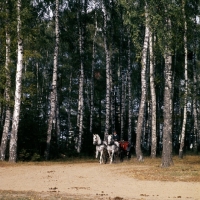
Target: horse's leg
{"points": [[128, 155], [104, 156], [111, 156], [121, 152], [101, 157], [115, 155], [97, 153]]}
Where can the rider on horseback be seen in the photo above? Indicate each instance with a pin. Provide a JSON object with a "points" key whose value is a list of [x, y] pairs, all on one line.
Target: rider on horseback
{"points": [[116, 138]]}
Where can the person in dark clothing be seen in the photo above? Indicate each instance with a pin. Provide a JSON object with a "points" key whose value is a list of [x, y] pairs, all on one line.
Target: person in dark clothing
{"points": [[115, 136]]}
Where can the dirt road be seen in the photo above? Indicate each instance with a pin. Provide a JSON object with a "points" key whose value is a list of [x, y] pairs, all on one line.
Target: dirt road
{"points": [[91, 181]]}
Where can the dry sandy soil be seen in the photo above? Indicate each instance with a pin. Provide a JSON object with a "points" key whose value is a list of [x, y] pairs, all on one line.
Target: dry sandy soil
{"points": [[87, 181]]}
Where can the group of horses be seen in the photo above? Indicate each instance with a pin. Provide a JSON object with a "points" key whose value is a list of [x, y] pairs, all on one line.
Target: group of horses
{"points": [[110, 149]]}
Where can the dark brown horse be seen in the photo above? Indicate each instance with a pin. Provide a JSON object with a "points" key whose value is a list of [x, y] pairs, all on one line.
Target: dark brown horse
{"points": [[125, 148]]}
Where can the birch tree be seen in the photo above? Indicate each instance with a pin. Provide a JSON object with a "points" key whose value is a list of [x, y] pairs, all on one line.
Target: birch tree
{"points": [[53, 95], [153, 98], [92, 77], [18, 85], [129, 93], [195, 113], [167, 111], [108, 78], [6, 126], [122, 104], [140, 121], [182, 136], [81, 79]]}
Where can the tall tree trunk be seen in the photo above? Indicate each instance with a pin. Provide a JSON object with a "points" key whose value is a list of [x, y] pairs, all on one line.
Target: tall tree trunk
{"points": [[53, 95], [167, 111], [69, 126], [148, 125], [182, 142], [112, 102], [112, 68], [129, 93], [58, 123], [153, 98], [6, 126], [195, 112], [113, 108], [81, 83], [140, 121], [16, 112], [108, 79], [69, 102], [92, 78], [121, 78], [122, 105]]}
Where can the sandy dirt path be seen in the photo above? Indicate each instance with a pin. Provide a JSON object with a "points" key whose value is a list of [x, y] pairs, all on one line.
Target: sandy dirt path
{"points": [[92, 181]]}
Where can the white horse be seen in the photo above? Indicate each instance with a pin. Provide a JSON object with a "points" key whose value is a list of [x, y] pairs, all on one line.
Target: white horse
{"points": [[112, 148], [100, 147]]}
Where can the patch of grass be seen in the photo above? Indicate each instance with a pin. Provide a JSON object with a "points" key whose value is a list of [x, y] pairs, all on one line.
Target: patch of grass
{"points": [[51, 162], [30, 195], [186, 170]]}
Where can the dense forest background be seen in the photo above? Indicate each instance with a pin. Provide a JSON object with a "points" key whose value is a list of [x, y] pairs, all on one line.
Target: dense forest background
{"points": [[73, 68]]}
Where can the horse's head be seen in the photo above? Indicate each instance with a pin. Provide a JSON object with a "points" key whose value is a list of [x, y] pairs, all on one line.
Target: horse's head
{"points": [[110, 139], [95, 139]]}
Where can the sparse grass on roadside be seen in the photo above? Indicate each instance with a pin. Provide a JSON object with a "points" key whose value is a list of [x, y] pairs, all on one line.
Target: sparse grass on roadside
{"points": [[51, 162], [30, 195], [186, 169]]}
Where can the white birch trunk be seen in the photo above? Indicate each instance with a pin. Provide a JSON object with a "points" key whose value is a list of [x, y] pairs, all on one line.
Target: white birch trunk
{"points": [[140, 121], [81, 83], [16, 112], [182, 136], [6, 126], [108, 81], [53, 96], [153, 99], [80, 107], [195, 111]]}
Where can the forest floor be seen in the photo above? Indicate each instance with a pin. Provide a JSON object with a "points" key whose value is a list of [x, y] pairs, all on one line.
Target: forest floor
{"points": [[87, 179]]}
